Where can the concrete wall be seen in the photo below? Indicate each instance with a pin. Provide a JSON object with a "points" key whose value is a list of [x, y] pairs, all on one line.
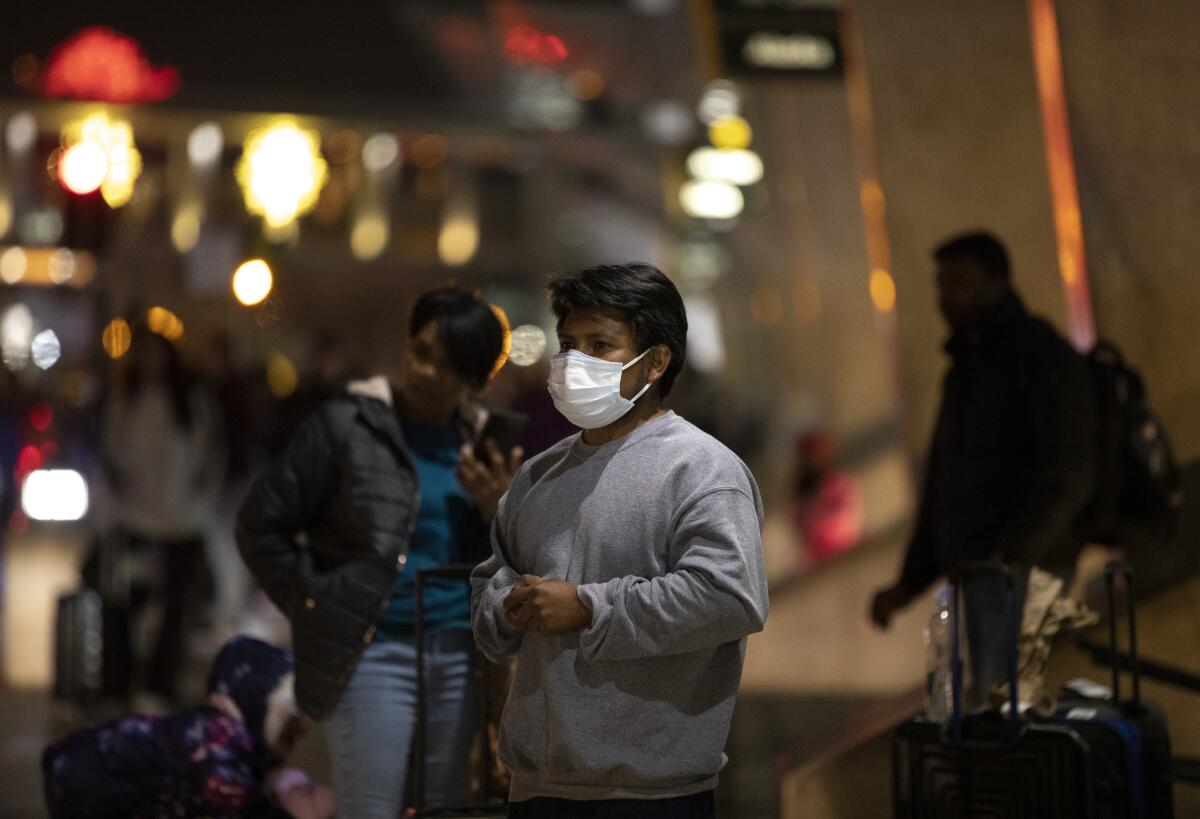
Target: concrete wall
{"points": [[1134, 102], [959, 146]]}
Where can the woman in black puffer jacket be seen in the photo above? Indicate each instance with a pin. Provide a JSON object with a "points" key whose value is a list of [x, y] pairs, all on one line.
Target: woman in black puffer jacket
{"points": [[375, 486]]}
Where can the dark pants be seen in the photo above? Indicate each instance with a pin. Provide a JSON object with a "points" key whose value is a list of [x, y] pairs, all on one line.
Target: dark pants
{"points": [[174, 568], [696, 806]]}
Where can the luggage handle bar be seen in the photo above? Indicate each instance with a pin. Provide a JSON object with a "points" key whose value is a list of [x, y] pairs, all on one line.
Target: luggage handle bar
{"points": [[1111, 571], [460, 572], [1016, 726]]}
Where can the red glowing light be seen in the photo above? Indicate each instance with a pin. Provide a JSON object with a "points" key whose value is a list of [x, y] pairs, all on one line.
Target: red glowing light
{"points": [[41, 416], [525, 44], [30, 460], [98, 63]]}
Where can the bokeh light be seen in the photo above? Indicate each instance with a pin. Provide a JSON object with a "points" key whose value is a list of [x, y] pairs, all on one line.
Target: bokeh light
{"points": [[46, 349], [731, 132], [369, 236], [252, 282], [21, 132], [61, 266], [282, 377], [737, 167], [704, 199], [162, 321], [883, 290], [82, 167], [528, 345], [116, 338], [185, 227], [720, 99], [13, 264], [54, 495], [281, 172], [586, 84], [205, 144], [458, 240], [380, 152]]}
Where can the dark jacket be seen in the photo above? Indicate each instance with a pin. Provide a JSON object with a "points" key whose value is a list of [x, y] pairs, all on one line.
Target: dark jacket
{"points": [[1013, 459], [325, 531], [198, 762]]}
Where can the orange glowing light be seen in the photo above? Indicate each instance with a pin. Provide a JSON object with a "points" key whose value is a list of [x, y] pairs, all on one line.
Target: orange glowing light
{"points": [[586, 84], [1060, 162], [883, 290], [98, 63]]}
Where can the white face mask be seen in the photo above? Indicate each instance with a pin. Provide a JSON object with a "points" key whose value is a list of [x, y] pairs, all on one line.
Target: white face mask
{"points": [[587, 390]]}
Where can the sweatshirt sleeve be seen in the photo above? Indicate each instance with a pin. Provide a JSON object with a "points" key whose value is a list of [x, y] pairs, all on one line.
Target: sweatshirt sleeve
{"points": [[491, 581], [715, 593]]}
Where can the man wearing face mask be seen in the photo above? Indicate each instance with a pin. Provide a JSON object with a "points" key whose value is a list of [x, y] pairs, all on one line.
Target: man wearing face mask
{"points": [[626, 573]]}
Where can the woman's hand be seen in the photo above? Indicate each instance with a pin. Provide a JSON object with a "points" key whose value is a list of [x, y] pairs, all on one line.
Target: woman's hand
{"points": [[486, 481]]}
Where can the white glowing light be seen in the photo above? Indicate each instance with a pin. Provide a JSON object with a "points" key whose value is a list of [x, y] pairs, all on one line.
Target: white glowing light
{"points": [[55, 494], [252, 282], [83, 167], [528, 345], [204, 145], [61, 266], [46, 349], [711, 200], [380, 152], [281, 173], [13, 264], [737, 167], [21, 132], [721, 99]]}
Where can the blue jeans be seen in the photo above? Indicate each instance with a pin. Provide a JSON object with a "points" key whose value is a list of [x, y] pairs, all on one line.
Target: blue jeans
{"points": [[370, 732]]}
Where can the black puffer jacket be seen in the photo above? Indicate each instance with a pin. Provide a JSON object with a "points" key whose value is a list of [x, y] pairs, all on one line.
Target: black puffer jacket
{"points": [[325, 531]]}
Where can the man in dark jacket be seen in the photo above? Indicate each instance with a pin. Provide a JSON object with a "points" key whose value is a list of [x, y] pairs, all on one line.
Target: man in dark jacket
{"points": [[1012, 462]]}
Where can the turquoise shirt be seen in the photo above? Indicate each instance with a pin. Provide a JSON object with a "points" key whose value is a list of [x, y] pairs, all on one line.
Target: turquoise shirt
{"points": [[439, 539]]}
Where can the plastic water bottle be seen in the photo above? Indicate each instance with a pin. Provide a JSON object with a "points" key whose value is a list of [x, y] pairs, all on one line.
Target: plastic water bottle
{"points": [[939, 689]]}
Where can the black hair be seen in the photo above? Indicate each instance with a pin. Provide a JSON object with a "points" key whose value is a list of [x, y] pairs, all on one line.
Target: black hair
{"points": [[179, 379], [646, 299], [980, 247], [467, 327]]}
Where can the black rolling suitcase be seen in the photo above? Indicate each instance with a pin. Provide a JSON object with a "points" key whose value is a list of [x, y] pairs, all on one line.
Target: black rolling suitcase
{"points": [[989, 765], [1128, 741], [78, 647], [485, 808]]}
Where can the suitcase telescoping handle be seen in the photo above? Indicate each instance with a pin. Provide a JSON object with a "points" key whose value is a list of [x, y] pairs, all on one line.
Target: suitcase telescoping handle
{"points": [[1118, 568], [962, 573]]}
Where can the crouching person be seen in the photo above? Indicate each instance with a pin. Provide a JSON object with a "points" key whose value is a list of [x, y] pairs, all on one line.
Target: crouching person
{"points": [[213, 760]]}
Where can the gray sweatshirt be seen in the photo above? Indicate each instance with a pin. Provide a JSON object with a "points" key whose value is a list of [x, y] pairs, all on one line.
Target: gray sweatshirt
{"points": [[661, 532]]}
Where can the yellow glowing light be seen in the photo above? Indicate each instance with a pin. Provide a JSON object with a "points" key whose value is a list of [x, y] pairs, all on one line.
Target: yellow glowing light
{"points": [[162, 321], [252, 282], [730, 132], [185, 227], [13, 264], [5, 214], [281, 375], [116, 338], [281, 172], [82, 167], [100, 153], [883, 290], [458, 240], [370, 236]]}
